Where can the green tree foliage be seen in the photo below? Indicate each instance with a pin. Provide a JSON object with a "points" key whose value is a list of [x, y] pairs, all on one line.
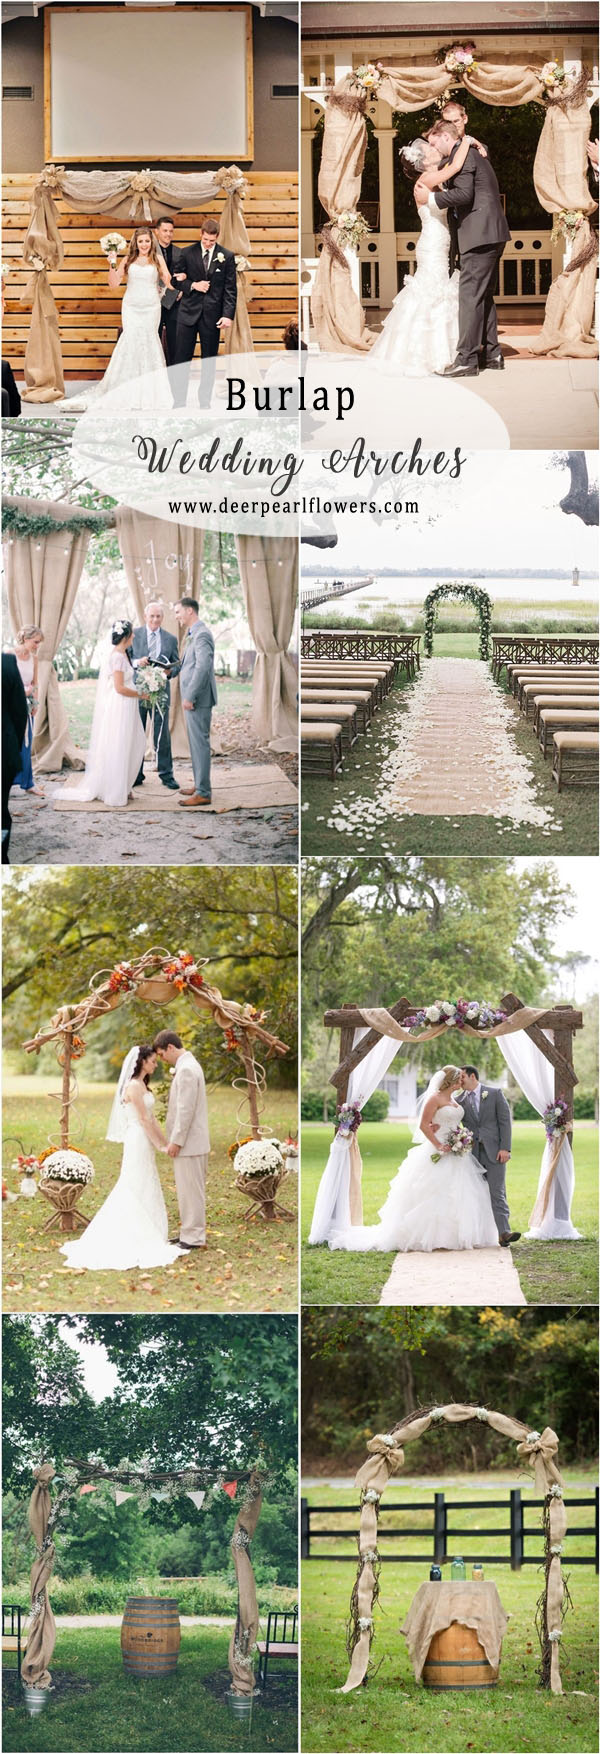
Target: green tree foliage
{"points": [[63, 924], [365, 1370], [377, 930]]}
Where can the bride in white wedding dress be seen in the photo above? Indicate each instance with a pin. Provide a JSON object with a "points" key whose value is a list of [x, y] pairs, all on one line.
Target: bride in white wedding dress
{"points": [[131, 1228], [420, 333], [118, 739], [137, 369], [431, 1205]]}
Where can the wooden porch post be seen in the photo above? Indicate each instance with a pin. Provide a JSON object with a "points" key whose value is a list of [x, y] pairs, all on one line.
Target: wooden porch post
{"points": [[346, 1041], [563, 1041]]}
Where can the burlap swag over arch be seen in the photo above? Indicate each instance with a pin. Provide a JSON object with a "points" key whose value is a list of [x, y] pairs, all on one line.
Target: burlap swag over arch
{"points": [[131, 197], [536, 1450], [559, 177]]}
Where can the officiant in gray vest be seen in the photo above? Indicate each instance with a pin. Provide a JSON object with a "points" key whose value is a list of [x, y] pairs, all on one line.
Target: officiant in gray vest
{"points": [[153, 645]]}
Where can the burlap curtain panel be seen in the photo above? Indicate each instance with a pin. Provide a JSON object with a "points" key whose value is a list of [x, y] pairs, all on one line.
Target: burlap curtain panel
{"points": [[41, 1637], [162, 561], [560, 181], [42, 579], [245, 1633], [129, 197], [269, 574]]}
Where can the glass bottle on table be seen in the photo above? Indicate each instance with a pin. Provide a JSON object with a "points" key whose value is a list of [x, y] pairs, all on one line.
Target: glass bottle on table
{"points": [[458, 1570]]}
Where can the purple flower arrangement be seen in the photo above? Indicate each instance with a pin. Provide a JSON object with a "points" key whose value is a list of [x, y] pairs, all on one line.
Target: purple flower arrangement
{"points": [[556, 1116], [349, 1117], [456, 1013]]}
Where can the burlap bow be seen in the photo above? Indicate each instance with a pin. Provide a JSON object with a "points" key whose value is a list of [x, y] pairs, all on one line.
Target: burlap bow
{"points": [[539, 1452], [44, 1473], [385, 1458], [141, 188], [51, 178], [232, 180]]}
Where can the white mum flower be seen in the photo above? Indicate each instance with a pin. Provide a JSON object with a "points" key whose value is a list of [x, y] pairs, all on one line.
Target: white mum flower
{"points": [[433, 1014]]}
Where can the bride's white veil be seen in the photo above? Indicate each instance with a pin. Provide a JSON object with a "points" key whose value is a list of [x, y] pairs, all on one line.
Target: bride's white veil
{"points": [[435, 1083], [117, 1119]]}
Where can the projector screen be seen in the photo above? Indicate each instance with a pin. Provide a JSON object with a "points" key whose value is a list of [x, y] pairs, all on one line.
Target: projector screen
{"points": [[140, 83]]}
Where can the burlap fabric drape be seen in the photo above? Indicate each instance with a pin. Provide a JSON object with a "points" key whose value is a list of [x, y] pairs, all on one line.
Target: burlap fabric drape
{"points": [[559, 180], [377, 1017], [42, 1629], [162, 560], [537, 1450], [42, 578], [269, 575], [245, 1633], [233, 235], [129, 197], [438, 1605]]}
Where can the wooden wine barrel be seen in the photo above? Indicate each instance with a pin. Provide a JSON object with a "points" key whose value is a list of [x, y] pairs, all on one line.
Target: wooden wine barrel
{"points": [[150, 1635], [456, 1659]]}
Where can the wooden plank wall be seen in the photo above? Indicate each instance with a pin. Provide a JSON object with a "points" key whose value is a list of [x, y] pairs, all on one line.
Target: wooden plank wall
{"points": [[89, 313]]}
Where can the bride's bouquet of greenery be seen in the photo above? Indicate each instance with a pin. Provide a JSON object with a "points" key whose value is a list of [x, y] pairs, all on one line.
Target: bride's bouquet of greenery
{"points": [[151, 681]]}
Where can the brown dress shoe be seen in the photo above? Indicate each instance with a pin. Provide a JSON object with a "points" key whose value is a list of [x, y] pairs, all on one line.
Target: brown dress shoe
{"points": [[186, 791], [195, 798]]}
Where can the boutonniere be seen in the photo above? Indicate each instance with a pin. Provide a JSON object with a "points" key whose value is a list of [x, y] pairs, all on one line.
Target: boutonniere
{"points": [[219, 257], [484, 1093]]}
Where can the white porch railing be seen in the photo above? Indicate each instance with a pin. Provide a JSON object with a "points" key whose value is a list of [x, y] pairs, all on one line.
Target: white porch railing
{"points": [[525, 268]]}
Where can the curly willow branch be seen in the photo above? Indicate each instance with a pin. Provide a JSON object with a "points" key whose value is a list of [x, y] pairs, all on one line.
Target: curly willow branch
{"points": [[243, 1082]]}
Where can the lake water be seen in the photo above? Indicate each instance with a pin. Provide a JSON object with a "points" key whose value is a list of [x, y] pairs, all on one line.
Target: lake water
{"points": [[406, 594]]}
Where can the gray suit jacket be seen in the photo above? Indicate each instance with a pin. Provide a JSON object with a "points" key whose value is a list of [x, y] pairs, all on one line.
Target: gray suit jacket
{"points": [[168, 648], [492, 1127], [197, 675]]}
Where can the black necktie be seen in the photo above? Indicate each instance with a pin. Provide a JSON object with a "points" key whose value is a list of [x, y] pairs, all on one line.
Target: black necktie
{"points": [[205, 261]]}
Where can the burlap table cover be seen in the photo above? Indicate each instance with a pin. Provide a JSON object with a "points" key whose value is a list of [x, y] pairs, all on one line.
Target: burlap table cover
{"points": [[439, 1605]]}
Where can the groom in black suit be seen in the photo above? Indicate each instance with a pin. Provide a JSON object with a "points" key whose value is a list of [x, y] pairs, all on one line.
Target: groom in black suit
{"points": [[473, 197], [207, 275]]}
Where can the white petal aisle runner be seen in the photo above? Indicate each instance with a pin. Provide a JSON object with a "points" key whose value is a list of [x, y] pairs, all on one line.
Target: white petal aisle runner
{"points": [[454, 1276], [457, 752]]}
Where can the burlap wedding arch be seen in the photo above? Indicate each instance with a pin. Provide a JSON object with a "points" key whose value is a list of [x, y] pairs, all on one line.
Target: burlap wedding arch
{"points": [[129, 196], [538, 1451], [44, 1514], [149, 980], [559, 179]]}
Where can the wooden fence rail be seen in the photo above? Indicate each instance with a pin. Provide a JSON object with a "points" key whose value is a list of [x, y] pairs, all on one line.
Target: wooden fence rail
{"points": [[443, 1531]]}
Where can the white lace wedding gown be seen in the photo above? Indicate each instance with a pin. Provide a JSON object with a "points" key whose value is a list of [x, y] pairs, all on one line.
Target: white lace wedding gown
{"points": [[136, 375], [131, 1228], [443, 1205], [420, 334], [117, 742]]}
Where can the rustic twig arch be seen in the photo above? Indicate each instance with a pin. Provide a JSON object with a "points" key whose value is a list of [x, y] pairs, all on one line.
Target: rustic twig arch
{"points": [[44, 1514], [158, 978], [474, 594], [538, 1451]]}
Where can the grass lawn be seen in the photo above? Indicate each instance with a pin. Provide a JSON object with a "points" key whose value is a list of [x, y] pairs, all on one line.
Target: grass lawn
{"points": [[78, 697], [246, 1266], [576, 810], [551, 1272], [97, 1706], [394, 1712]]}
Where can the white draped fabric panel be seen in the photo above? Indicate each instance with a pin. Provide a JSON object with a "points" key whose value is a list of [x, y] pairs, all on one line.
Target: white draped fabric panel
{"points": [[535, 1076], [332, 1205]]}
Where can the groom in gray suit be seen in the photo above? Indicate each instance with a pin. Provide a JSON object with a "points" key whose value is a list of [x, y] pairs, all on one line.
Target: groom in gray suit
{"points": [[487, 1116], [198, 697]]}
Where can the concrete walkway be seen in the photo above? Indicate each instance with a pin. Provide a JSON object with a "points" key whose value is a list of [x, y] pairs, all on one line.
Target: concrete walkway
{"points": [[454, 1276], [457, 755]]}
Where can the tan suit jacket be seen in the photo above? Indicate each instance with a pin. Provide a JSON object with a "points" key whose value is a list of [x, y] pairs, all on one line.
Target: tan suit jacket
{"points": [[187, 1113]]}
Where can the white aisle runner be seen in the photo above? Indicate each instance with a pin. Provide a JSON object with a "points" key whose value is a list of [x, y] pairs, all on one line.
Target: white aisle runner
{"points": [[457, 752], [454, 1276]]}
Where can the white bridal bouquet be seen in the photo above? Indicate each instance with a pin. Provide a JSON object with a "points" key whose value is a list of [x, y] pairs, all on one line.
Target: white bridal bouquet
{"points": [[151, 680], [113, 244]]}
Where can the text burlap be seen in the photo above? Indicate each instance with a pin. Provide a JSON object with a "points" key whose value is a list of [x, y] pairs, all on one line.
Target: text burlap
{"points": [[42, 577], [130, 197], [269, 574], [162, 561], [244, 1636], [41, 1637], [559, 181], [537, 1450], [439, 1605]]}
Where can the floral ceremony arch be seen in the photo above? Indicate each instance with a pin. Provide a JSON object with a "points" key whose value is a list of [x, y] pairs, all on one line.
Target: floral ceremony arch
{"points": [[157, 978], [144, 1483], [133, 197], [469, 594], [536, 1042], [560, 180], [537, 1450]]}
